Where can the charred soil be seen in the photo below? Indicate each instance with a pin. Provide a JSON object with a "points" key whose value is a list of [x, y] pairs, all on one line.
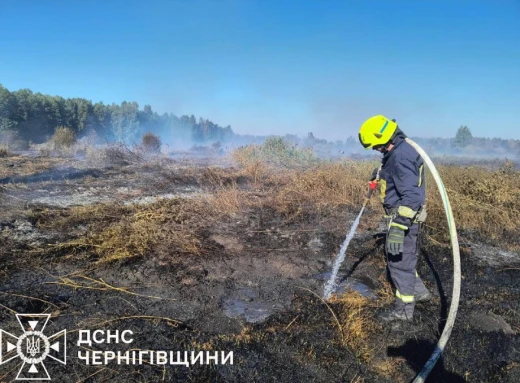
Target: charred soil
{"points": [[216, 258]]}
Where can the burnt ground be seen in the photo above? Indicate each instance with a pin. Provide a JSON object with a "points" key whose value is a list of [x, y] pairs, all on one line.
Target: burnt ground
{"points": [[256, 292]]}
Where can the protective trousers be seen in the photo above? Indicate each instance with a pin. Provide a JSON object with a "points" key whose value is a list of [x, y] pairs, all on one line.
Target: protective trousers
{"points": [[403, 273]]}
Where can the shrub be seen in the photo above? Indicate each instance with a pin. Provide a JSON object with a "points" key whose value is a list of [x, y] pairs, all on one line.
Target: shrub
{"points": [[63, 138], [4, 152], [507, 168], [116, 154], [276, 151], [151, 143]]}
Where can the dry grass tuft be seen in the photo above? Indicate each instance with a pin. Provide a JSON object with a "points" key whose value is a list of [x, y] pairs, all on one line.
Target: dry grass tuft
{"points": [[385, 293], [217, 177], [355, 315], [257, 171], [228, 201]]}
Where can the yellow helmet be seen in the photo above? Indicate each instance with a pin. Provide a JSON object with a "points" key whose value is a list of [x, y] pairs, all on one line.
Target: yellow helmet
{"points": [[375, 131]]}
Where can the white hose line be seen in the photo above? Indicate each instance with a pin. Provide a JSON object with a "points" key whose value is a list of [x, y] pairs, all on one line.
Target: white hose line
{"points": [[423, 374]]}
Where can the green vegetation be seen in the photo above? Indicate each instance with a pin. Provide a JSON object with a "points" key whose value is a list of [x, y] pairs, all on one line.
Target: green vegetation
{"points": [[35, 116], [463, 137], [276, 151]]}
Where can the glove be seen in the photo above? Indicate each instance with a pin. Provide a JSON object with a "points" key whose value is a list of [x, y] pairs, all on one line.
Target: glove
{"points": [[374, 174], [395, 240]]}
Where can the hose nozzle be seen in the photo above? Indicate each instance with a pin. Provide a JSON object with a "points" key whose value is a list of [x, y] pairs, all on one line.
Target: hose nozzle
{"points": [[371, 187]]}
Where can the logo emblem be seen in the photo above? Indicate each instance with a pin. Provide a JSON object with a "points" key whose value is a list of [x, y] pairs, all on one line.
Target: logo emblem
{"points": [[33, 347]]}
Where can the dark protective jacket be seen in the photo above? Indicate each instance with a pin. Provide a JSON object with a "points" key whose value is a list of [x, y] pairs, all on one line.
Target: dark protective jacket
{"points": [[402, 183]]}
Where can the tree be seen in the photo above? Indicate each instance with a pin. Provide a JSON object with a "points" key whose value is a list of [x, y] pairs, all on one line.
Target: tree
{"points": [[125, 124], [7, 106], [463, 137]]}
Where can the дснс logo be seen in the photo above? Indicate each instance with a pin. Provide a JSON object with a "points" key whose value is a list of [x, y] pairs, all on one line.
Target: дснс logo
{"points": [[33, 347]]}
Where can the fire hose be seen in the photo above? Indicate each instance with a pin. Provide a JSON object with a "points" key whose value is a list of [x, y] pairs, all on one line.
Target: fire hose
{"points": [[441, 344], [423, 374]]}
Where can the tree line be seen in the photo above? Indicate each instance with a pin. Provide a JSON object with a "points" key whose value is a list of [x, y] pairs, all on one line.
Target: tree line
{"points": [[35, 116]]}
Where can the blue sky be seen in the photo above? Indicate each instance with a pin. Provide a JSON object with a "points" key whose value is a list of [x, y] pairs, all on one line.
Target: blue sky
{"points": [[276, 67]]}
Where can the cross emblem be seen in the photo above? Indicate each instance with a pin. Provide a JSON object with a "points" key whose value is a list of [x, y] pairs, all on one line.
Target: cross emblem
{"points": [[33, 347]]}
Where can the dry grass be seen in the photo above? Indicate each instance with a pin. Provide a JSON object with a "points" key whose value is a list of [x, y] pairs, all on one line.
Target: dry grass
{"points": [[84, 282], [164, 228], [388, 367], [257, 172], [357, 325], [323, 187], [246, 336], [385, 293], [29, 166], [485, 202], [228, 201], [359, 328]]}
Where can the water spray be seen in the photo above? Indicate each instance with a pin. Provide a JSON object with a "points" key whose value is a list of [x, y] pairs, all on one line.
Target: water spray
{"points": [[330, 286]]}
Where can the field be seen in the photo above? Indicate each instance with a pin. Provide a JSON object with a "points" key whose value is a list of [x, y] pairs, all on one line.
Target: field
{"points": [[230, 252]]}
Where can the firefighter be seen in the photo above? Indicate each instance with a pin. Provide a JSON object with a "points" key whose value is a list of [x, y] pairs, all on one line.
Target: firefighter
{"points": [[402, 187]]}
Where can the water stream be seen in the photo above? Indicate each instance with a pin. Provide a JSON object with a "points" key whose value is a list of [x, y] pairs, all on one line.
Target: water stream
{"points": [[331, 285]]}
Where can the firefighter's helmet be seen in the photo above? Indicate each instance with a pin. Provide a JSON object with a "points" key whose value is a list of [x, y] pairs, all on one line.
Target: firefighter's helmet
{"points": [[376, 131]]}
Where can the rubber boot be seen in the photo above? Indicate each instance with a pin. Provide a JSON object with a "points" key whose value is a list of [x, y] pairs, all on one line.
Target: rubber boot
{"points": [[398, 311], [421, 293]]}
